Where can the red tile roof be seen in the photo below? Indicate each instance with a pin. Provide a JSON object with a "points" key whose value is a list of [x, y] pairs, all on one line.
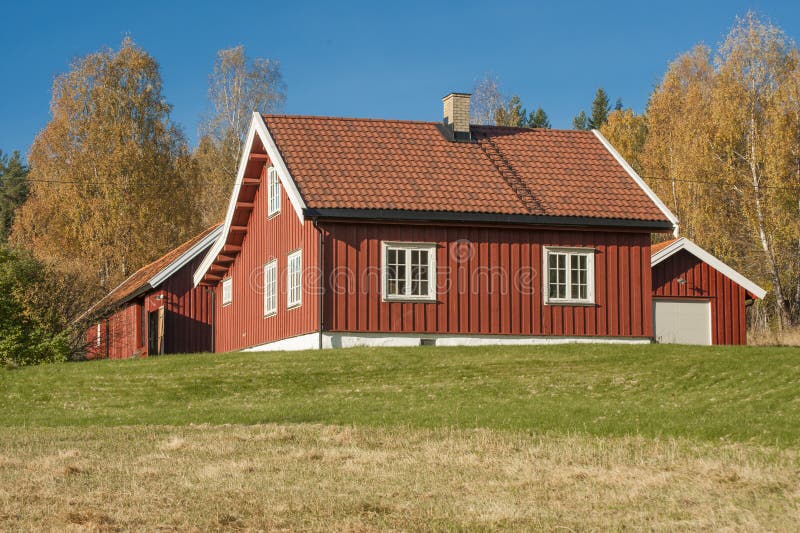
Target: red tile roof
{"points": [[138, 280], [392, 164], [657, 247]]}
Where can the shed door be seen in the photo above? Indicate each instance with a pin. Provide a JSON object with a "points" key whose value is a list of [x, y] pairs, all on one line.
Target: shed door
{"points": [[682, 321]]}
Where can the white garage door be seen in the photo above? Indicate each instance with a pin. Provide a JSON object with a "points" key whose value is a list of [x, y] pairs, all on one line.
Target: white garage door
{"points": [[682, 321]]}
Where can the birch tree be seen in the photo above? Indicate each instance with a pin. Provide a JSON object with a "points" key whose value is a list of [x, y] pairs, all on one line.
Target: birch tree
{"points": [[237, 87], [722, 150], [486, 101], [111, 177]]}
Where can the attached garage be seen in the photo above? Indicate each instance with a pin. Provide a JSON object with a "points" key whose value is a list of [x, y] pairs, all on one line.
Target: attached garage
{"points": [[698, 299]]}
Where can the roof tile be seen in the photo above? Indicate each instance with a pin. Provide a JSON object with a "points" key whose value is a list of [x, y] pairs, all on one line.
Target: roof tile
{"points": [[405, 165]]}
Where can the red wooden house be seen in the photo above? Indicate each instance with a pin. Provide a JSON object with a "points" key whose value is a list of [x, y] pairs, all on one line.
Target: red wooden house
{"points": [[158, 309], [343, 232]]}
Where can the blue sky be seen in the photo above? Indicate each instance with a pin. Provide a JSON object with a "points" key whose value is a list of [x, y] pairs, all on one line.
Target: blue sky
{"points": [[369, 59]]}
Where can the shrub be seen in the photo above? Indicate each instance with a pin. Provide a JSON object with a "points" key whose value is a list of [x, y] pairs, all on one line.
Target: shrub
{"points": [[27, 335]]}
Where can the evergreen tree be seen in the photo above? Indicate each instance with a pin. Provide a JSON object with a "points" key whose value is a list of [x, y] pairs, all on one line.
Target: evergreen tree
{"points": [[512, 114], [581, 121], [538, 119], [600, 109], [618, 105], [13, 190]]}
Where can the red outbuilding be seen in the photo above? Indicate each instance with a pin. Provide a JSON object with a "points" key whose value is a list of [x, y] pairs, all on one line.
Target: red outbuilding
{"points": [[344, 232], [158, 309], [698, 299]]}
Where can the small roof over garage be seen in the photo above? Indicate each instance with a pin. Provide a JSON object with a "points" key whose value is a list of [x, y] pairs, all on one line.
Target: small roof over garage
{"points": [[664, 250]]}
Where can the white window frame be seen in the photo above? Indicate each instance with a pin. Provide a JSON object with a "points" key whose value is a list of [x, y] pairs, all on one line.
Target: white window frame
{"points": [[273, 192], [227, 287], [408, 247], [571, 253], [294, 280], [271, 288], [97, 340]]}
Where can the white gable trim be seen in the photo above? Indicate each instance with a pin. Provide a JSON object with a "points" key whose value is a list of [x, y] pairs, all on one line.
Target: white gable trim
{"points": [[257, 127], [185, 257], [685, 244], [280, 166], [639, 181]]}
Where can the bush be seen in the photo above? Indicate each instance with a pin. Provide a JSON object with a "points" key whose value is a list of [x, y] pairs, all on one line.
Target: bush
{"points": [[27, 336]]}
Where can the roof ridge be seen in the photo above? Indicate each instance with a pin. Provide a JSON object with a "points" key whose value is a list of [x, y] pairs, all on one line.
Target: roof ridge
{"points": [[266, 116], [353, 119]]}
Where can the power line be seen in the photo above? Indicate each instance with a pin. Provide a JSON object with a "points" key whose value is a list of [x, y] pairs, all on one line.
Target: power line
{"points": [[703, 182]]}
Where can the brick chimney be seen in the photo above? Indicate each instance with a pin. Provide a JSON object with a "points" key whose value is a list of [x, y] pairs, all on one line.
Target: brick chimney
{"points": [[456, 116]]}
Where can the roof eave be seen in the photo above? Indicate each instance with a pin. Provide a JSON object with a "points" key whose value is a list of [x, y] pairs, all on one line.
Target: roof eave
{"points": [[491, 218]]}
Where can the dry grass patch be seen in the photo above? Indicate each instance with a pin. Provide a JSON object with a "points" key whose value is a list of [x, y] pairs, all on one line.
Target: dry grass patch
{"points": [[314, 477], [788, 337]]}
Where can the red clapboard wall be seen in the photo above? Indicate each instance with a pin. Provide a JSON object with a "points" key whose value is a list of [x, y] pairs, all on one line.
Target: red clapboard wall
{"points": [[187, 320], [119, 334], [490, 282], [242, 323], [728, 320]]}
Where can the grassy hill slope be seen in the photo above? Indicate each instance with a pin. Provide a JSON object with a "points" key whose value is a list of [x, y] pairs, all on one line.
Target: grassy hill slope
{"points": [[739, 394]]}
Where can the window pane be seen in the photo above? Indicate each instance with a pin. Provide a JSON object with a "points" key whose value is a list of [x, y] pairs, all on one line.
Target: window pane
{"points": [[396, 271], [557, 275], [419, 272], [294, 279]]}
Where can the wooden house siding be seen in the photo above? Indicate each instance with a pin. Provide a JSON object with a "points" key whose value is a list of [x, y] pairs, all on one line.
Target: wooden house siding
{"points": [[189, 313], [242, 324], [489, 282], [187, 320], [119, 334], [728, 317]]}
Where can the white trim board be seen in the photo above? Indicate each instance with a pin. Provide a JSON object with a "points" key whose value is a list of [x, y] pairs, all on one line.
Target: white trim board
{"points": [[185, 257], [257, 127], [332, 340], [639, 181], [685, 244]]}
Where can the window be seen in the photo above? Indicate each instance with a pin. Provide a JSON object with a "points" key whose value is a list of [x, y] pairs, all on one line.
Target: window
{"points": [[227, 291], [294, 279], [274, 192], [569, 275], [97, 340], [409, 271], [271, 288]]}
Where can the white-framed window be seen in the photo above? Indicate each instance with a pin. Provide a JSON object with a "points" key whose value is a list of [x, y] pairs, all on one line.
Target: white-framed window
{"points": [[294, 279], [227, 291], [271, 288], [97, 340], [409, 271], [273, 192], [568, 275]]}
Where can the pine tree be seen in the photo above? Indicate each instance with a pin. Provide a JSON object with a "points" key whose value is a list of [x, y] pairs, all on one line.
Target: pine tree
{"points": [[13, 190], [600, 109], [618, 105], [581, 121], [538, 119]]}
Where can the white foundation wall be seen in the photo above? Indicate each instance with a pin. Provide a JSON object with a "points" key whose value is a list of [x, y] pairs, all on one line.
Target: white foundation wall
{"points": [[328, 339]]}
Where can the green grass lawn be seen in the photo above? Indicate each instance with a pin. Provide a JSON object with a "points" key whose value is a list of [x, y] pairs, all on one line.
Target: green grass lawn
{"points": [[743, 394]]}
